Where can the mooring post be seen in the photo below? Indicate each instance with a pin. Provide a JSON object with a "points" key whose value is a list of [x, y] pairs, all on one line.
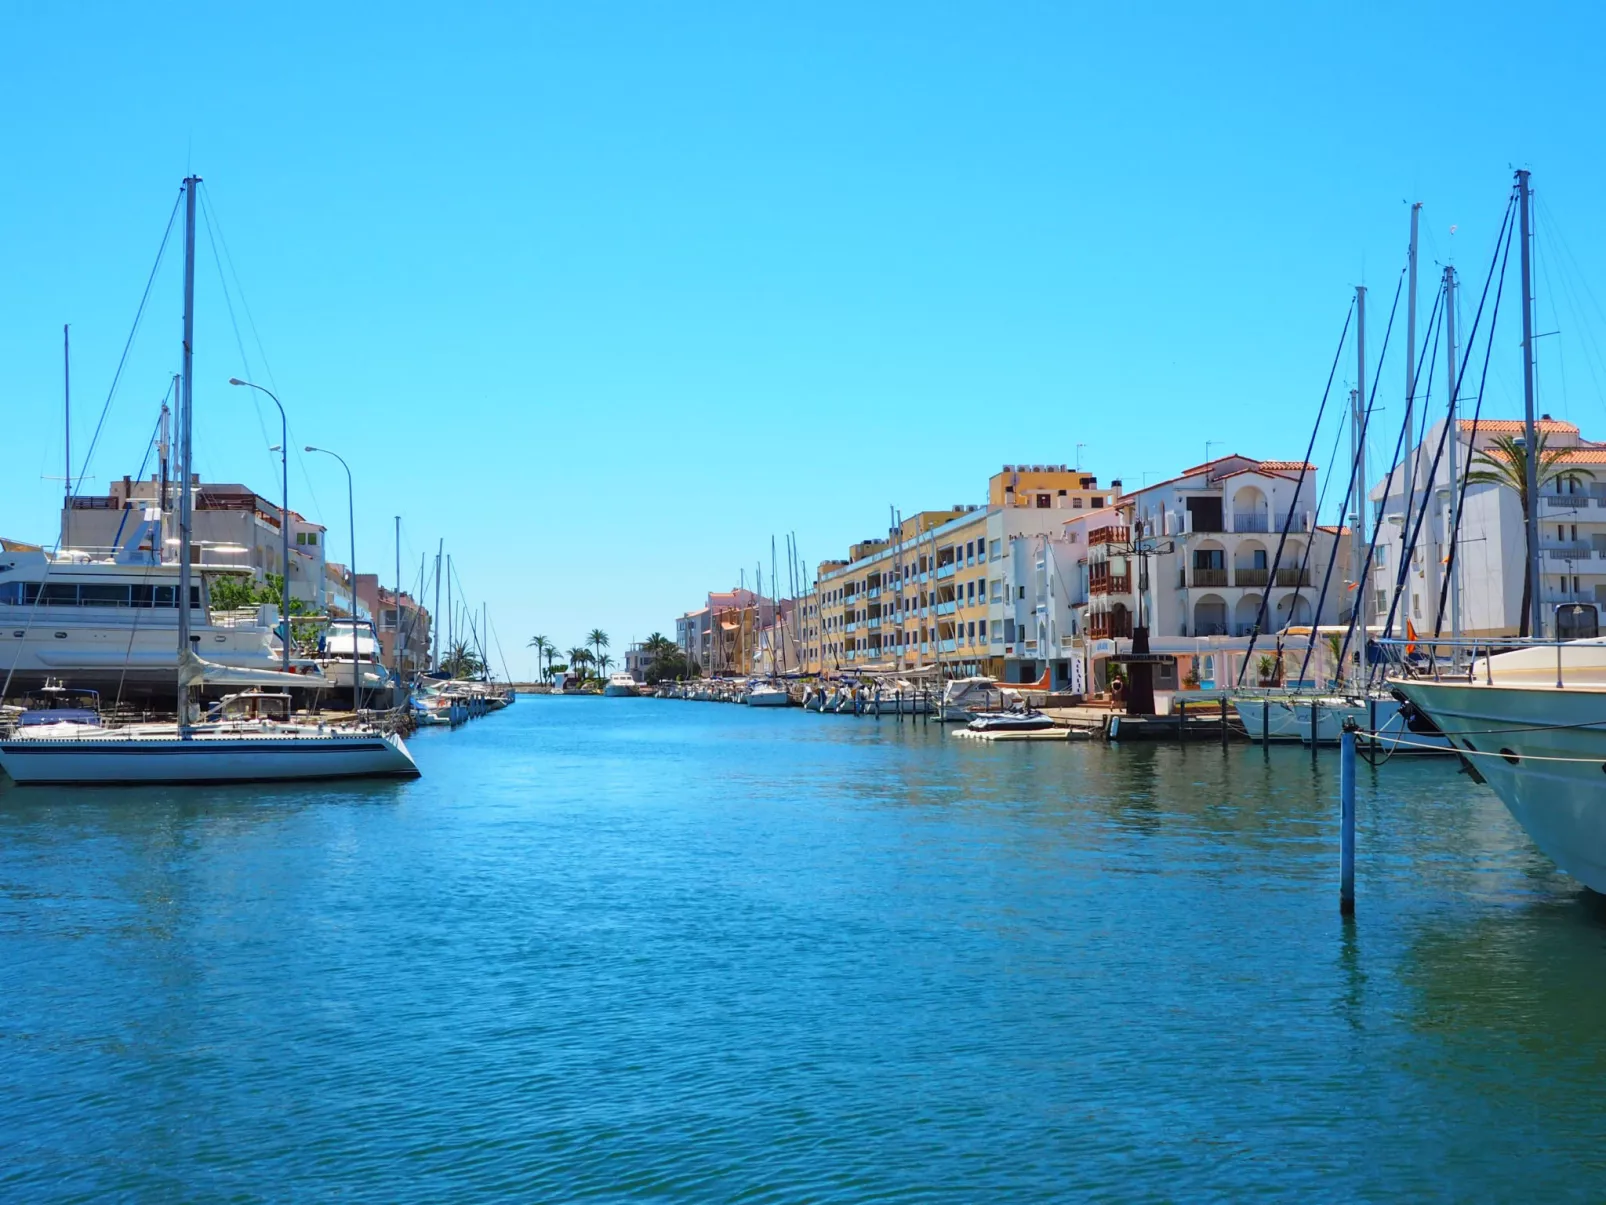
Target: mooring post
{"points": [[1265, 721], [897, 701], [1315, 710], [1182, 722], [1223, 721], [878, 704], [1346, 820]]}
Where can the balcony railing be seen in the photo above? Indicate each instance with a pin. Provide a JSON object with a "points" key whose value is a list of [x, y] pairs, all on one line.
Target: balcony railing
{"points": [[946, 608], [1293, 577], [1209, 577], [1110, 584], [1250, 523], [1570, 552], [1250, 577], [1105, 625], [946, 570], [1563, 501], [1108, 535], [948, 646]]}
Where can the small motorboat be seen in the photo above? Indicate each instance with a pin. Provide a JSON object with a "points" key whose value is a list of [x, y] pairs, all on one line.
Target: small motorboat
{"points": [[620, 686], [1018, 719]]}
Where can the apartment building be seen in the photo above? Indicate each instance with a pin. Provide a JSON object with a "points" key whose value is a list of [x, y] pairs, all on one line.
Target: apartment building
{"points": [[942, 586], [405, 627], [1491, 551], [722, 636], [1212, 579], [231, 525]]}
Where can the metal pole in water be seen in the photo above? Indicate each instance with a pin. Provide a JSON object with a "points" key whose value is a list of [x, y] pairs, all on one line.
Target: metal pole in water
{"points": [[1265, 720], [1182, 722], [1315, 709], [1224, 722], [1346, 821]]}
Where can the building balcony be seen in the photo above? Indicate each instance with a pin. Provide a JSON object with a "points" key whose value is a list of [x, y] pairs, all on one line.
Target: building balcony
{"points": [[947, 608], [1562, 502], [1569, 552], [1108, 535], [874, 623], [1110, 584], [874, 591], [946, 571], [1208, 577], [1249, 523], [1106, 625], [1250, 577], [1293, 577], [947, 646]]}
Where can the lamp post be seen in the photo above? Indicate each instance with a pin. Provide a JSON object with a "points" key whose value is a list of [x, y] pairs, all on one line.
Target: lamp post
{"points": [[351, 522], [284, 514]]}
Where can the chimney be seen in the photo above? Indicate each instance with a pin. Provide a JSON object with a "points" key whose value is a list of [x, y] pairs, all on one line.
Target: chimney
{"points": [[1115, 484]]}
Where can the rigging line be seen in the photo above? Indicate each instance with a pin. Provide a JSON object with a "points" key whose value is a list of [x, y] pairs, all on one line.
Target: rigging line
{"points": [[497, 636], [245, 302], [1364, 576], [1282, 538], [1356, 468], [1542, 272], [1569, 284], [1504, 257], [117, 540], [129, 343], [1408, 545], [228, 302]]}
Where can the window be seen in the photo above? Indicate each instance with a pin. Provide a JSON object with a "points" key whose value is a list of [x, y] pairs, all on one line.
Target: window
{"points": [[1043, 501], [996, 553], [307, 539], [59, 594], [1076, 504], [102, 595], [998, 590], [1020, 591], [981, 627], [970, 592], [972, 633]]}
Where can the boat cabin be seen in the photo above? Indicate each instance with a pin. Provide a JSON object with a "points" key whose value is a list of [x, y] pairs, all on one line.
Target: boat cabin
{"points": [[54, 703], [251, 706]]}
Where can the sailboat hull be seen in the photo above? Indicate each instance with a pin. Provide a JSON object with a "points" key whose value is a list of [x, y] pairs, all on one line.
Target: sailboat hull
{"points": [[204, 758]]}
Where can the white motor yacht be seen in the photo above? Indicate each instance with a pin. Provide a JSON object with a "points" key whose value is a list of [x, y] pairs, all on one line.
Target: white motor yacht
{"points": [[620, 686], [1532, 724], [963, 699]]}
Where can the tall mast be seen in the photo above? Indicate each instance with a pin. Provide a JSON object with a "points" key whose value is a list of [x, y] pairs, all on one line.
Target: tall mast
{"points": [[164, 451], [186, 401], [66, 405], [1453, 450], [395, 627], [451, 617], [1536, 612], [1357, 444], [435, 620], [1403, 575]]}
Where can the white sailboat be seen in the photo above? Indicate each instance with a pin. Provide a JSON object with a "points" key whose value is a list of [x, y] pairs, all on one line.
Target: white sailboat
{"points": [[232, 748]]}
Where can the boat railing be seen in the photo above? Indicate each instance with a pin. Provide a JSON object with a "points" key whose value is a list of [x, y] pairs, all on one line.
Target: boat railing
{"points": [[1447, 660]]}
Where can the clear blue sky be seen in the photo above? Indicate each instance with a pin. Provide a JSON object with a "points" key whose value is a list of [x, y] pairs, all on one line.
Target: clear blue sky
{"points": [[605, 295]]}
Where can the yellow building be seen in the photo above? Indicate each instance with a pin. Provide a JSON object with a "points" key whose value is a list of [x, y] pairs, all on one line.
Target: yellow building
{"points": [[941, 587]]}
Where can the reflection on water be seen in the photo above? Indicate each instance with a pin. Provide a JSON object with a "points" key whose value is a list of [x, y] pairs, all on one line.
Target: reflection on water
{"points": [[631, 947]]}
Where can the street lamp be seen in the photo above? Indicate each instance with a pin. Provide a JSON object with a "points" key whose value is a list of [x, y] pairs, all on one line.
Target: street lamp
{"points": [[284, 514], [351, 522]]}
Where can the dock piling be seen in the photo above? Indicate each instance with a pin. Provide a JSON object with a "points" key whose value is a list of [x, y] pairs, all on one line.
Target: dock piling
{"points": [[1346, 821], [1182, 721], [1315, 710], [1223, 721]]}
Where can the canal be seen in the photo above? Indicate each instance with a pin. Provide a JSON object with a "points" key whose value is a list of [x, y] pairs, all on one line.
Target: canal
{"points": [[623, 948]]}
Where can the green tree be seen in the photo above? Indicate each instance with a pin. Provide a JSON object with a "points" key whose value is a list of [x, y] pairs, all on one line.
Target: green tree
{"points": [[543, 648], [1505, 463], [598, 640], [604, 664], [668, 666], [579, 659], [463, 662]]}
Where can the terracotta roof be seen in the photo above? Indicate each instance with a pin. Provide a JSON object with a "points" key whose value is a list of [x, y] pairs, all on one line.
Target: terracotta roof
{"points": [[1589, 455], [1275, 467], [1288, 465], [1514, 426]]}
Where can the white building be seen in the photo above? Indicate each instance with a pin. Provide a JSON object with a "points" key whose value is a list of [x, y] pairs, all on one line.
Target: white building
{"points": [[1492, 548], [1238, 558]]}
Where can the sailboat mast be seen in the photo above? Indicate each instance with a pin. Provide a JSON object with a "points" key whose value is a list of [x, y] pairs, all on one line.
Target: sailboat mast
{"points": [[66, 406], [436, 620], [395, 627], [1453, 450], [451, 616], [1529, 433], [1410, 428], [1357, 446], [186, 400]]}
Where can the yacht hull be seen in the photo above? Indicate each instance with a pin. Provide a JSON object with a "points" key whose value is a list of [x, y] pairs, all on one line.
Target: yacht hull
{"points": [[204, 758], [1561, 805]]}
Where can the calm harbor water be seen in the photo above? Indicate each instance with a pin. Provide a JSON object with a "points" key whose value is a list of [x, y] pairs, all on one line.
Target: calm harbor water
{"points": [[628, 948]]}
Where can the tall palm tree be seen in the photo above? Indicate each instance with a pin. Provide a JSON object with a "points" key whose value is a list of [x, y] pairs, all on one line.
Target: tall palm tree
{"points": [[1505, 463], [604, 664], [597, 639], [579, 658], [658, 644], [543, 648]]}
